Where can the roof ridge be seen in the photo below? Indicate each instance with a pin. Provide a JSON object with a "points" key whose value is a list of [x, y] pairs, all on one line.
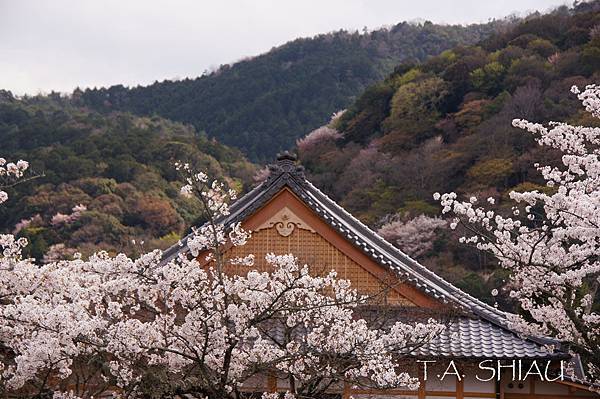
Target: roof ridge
{"points": [[397, 251]]}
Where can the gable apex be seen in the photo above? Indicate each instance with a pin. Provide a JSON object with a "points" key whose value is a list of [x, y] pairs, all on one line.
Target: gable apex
{"points": [[286, 166]]}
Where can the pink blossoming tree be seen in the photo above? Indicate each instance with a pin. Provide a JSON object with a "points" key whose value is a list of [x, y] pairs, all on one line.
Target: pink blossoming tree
{"points": [[150, 328], [551, 243], [10, 173], [415, 236]]}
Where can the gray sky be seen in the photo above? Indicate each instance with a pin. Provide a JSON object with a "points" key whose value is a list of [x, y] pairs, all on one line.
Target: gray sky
{"points": [[60, 44]]}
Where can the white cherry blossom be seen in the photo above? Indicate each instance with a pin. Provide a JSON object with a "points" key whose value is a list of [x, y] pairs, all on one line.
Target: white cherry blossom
{"points": [[188, 326], [551, 244]]}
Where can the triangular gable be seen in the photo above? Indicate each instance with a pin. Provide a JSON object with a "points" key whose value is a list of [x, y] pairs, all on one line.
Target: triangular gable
{"points": [[285, 224]]}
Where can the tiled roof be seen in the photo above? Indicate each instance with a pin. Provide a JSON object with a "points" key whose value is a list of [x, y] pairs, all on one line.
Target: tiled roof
{"points": [[483, 333], [478, 338]]}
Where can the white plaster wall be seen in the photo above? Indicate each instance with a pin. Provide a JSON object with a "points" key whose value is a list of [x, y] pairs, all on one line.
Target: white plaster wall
{"points": [[472, 384], [545, 387], [434, 382]]}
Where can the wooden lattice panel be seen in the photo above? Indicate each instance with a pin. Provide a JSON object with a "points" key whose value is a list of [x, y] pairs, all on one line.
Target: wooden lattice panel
{"points": [[321, 256]]}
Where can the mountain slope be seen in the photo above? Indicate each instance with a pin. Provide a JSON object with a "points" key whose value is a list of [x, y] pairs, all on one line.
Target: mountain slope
{"points": [[445, 125], [278, 96], [107, 179]]}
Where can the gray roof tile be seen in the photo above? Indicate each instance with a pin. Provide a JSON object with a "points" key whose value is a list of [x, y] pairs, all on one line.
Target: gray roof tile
{"points": [[478, 338]]}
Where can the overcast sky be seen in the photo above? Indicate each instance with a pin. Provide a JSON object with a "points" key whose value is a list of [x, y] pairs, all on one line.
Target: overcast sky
{"points": [[61, 44]]}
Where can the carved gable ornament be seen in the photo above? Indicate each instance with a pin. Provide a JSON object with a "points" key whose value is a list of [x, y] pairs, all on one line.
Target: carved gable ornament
{"points": [[285, 221]]}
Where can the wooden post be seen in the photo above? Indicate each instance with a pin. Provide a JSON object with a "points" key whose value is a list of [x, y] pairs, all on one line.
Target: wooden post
{"points": [[346, 393], [460, 388], [500, 386], [272, 383], [422, 383]]}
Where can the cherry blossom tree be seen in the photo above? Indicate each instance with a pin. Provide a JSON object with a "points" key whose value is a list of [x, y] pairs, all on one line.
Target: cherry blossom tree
{"points": [[188, 325], [317, 137], [415, 236], [60, 218], [551, 242], [10, 173], [321, 135]]}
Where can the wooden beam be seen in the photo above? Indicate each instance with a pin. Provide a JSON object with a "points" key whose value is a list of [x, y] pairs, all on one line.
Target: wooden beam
{"points": [[509, 395], [453, 394], [359, 391]]}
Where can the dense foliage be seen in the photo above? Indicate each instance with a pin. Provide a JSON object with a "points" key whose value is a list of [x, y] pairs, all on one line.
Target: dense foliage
{"points": [[277, 97], [446, 125], [107, 180]]}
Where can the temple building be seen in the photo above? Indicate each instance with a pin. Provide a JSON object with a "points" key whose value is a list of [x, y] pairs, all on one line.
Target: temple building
{"points": [[288, 214]]}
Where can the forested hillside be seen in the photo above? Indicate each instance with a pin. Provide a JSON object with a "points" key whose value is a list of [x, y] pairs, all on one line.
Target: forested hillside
{"points": [[445, 125], [108, 181], [439, 123], [263, 104]]}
